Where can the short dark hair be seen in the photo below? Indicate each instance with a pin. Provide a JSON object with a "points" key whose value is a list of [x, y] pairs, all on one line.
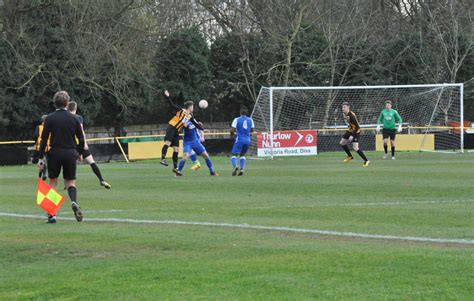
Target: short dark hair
{"points": [[345, 103], [61, 99], [72, 106], [244, 110], [388, 102], [188, 104]]}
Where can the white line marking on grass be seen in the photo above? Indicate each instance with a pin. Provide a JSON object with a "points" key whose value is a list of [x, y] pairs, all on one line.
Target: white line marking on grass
{"points": [[257, 227], [289, 206]]}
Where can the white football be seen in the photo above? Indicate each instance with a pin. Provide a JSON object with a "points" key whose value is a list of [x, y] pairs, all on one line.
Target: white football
{"points": [[203, 104]]}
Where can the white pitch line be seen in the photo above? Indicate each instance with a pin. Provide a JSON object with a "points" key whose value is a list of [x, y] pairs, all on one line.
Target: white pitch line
{"points": [[257, 227], [289, 206]]}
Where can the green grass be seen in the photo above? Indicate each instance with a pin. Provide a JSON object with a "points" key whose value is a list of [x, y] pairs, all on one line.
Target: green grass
{"points": [[422, 195]]}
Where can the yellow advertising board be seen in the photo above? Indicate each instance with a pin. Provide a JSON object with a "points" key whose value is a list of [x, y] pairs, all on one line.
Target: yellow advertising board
{"points": [[150, 150], [405, 142]]}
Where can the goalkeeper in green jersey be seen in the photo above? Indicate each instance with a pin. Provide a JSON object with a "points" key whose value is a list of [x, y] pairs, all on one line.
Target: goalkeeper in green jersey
{"points": [[388, 117]]}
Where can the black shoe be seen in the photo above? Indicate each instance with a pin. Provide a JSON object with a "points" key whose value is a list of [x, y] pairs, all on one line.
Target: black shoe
{"points": [[177, 172], [51, 219], [214, 174], [234, 172], [241, 173], [77, 211], [163, 162]]}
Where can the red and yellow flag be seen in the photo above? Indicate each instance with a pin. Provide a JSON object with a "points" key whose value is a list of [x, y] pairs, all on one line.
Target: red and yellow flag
{"points": [[48, 198]]}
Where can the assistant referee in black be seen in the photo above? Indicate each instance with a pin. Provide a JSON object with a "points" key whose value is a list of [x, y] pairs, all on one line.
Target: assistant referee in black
{"points": [[62, 128]]}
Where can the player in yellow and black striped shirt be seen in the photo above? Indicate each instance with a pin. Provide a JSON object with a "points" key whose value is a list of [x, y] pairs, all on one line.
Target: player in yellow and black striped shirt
{"points": [[37, 138], [352, 134], [182, 116]]}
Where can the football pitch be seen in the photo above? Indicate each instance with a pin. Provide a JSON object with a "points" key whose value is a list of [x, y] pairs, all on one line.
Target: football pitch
{"points": [[292, 228]]}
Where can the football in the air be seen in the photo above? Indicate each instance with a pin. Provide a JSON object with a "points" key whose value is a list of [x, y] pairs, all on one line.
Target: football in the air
{"points": [[203, 104]]}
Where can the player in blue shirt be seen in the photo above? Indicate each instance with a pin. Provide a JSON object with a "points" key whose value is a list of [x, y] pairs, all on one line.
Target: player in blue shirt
{"points": [[192, 142], [244, 127]]}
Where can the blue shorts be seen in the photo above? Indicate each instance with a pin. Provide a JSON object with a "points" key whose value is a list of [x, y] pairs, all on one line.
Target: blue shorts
{"points": [[240, 148], [195, 146]]}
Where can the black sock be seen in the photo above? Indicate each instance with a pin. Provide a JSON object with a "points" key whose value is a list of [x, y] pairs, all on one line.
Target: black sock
{"points": [[96, 170], [164, 150], [385, 148], [393, 151], [362, 155], [72, 191], [348, 152], [175, 159]]}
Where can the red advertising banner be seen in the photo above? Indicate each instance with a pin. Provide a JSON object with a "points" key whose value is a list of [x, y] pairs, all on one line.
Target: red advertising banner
{"points": [[288, 143]]}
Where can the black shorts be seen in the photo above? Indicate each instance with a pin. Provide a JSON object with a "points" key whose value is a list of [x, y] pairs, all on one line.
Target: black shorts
{"points": [[348, 135], [172, 136], [65, 159], [389, 133], [86, 153]]}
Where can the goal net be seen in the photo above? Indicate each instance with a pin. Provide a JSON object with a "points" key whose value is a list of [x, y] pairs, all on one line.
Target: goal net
{"points": [[432, 115]]}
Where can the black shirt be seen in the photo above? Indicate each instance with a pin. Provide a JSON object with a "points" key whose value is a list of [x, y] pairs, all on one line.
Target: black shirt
{"points": [[64, 128], [79, 118]]}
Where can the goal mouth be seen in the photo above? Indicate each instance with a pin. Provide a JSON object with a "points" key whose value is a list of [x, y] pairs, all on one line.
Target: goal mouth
{"points": [[432, 114]]}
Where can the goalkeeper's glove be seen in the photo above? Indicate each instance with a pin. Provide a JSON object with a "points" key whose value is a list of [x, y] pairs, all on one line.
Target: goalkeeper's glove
{"points": [[378, 128], [400, 128]]}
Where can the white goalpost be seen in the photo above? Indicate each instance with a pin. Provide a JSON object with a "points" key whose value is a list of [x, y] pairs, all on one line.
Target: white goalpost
{"points": [[432, 117]]}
